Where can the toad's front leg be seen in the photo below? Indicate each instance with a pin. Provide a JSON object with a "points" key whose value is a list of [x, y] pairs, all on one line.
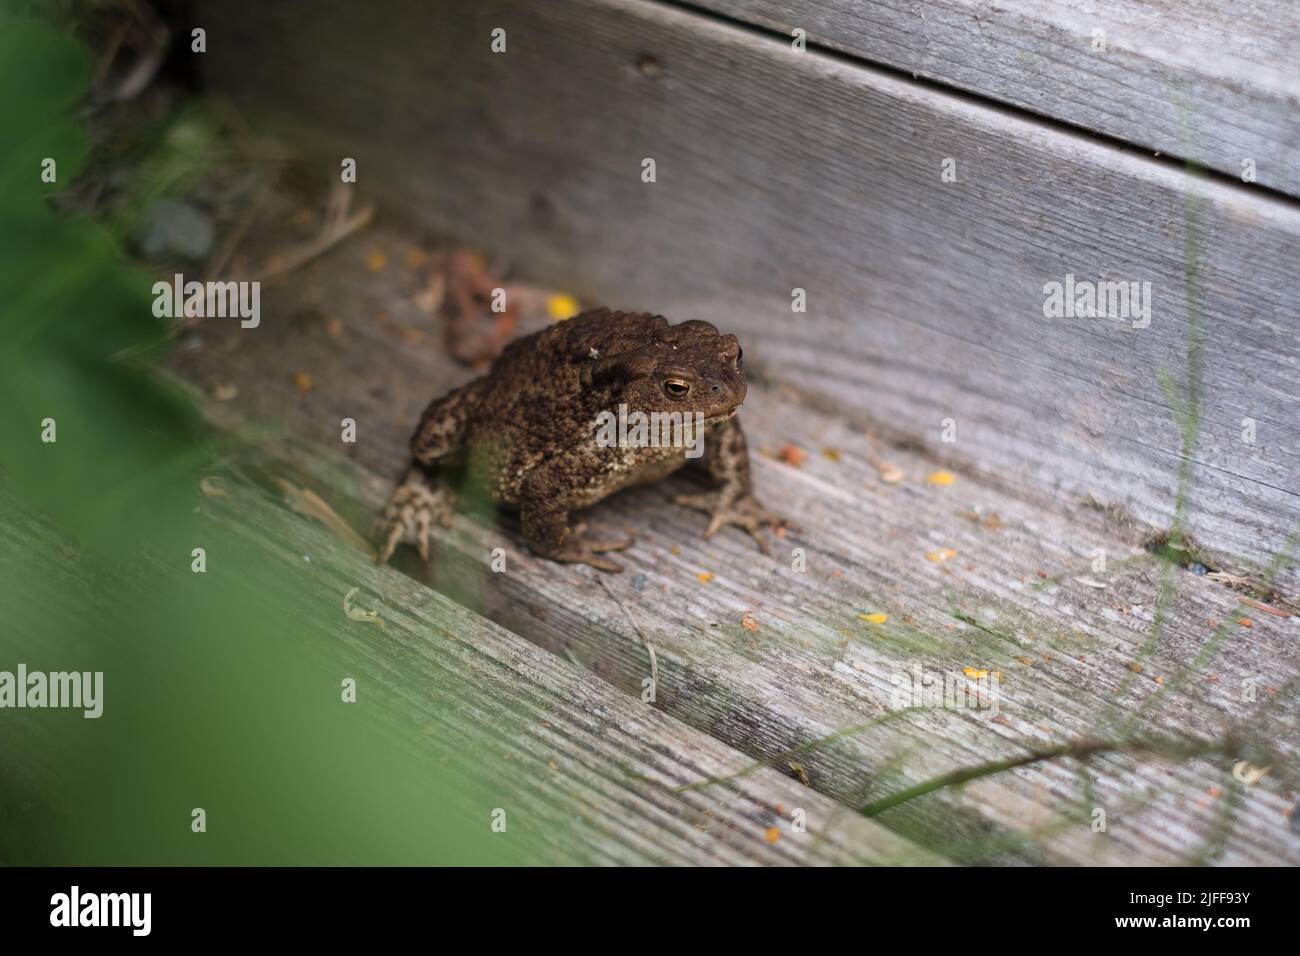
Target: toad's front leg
{"points": [[726, 456], [418, 503]]}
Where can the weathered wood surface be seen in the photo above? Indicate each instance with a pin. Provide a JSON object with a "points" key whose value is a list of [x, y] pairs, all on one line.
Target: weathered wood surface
{"points": [[776, 171], [1210, 81], [813, 685], [580, 762]]}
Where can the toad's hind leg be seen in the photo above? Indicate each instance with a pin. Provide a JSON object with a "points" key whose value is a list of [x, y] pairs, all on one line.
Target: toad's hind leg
{"points": [[418, 502], [546, 528]]}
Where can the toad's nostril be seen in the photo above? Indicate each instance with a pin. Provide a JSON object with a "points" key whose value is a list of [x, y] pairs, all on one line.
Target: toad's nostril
{"points": [[716, 388]]}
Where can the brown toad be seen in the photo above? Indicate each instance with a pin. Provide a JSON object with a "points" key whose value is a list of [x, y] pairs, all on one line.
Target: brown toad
{"points": [[529, 432]]}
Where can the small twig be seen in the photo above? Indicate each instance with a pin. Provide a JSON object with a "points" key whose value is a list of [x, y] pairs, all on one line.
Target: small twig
{"points": [[338, 226], [152, 52], [1266, 608], [654, 663], [223, 255]]}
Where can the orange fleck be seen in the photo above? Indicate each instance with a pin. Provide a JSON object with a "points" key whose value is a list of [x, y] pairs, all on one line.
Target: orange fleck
{"points": [[975, 673], [941, 555], [941, 478], [415, 257], [376, 261], [874, 618], [1245, 622], [793, 455], [749, 622], [303, 382], [1135, 667], [832, 454], [705, 577], [773, 834]]}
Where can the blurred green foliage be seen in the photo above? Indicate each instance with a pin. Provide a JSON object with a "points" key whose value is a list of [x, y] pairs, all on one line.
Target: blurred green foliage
{"points": [[221, 690]]}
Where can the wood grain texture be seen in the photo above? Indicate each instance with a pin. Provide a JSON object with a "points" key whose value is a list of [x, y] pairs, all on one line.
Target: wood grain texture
{"points": [[776, 171], [592, 775], [811, 692], [1209, 80]]}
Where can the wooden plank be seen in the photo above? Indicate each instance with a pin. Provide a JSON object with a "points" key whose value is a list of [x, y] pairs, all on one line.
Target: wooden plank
{"points": [[590, 774], [925, 299], [813, 686], [1213, 82]]}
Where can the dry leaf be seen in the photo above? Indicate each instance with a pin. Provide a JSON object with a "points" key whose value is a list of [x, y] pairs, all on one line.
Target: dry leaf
{"points": [[1248, 773], [212, 487], [360, 614], [307, 502]]}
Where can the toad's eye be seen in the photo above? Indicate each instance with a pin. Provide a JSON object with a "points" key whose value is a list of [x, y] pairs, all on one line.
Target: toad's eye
{"points": [[740, 355], [676, 388]]}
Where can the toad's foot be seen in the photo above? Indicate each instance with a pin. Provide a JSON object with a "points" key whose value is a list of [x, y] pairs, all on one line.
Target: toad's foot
{"points": [[416, 504], [743, 511], [577, 548]]}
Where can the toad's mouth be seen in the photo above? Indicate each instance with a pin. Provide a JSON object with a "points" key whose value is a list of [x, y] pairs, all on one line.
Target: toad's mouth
{"points": [[716, 419]]}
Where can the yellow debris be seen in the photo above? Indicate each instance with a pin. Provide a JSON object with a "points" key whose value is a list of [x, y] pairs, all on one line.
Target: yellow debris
{"points": [[561, 307]]}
